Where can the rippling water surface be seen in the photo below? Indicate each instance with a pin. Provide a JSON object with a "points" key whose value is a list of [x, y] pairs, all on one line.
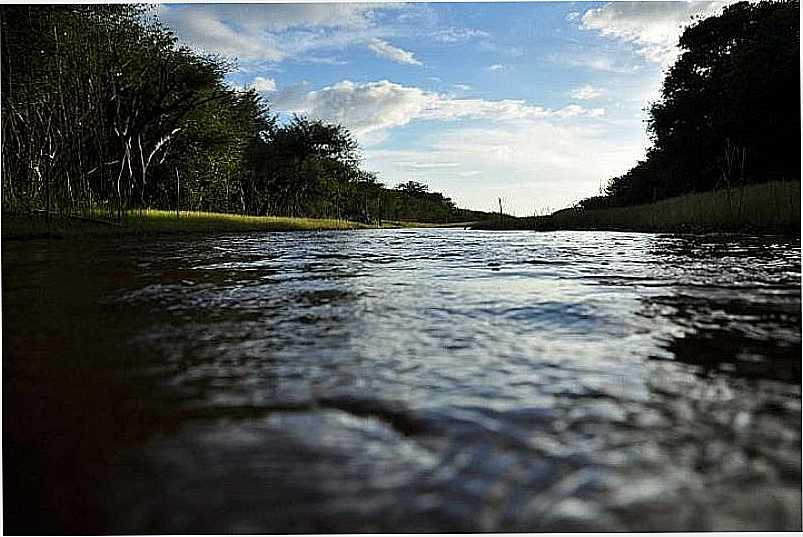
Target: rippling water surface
{"points": [[403, 380]]}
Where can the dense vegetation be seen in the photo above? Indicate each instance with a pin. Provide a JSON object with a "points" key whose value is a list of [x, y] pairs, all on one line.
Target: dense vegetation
{"points": [[729, 111], [103, 112]]}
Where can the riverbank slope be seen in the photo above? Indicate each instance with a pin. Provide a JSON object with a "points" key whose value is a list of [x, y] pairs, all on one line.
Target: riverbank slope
{"points": [[769, 207]]}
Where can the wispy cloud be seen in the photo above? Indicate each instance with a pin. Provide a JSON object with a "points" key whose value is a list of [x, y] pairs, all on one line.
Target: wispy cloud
{"points": [[386, 50], [496, 67], [323, 60], [417, 165], [513, 51], [458, 35], [586, 93], [596, 62]]}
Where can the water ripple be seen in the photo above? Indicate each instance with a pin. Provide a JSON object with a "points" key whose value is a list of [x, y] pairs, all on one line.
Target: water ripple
{"points": [[450, 380]]}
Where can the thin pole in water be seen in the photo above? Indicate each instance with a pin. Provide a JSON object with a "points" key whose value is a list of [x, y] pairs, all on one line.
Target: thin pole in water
{"points": [[178, 199]]}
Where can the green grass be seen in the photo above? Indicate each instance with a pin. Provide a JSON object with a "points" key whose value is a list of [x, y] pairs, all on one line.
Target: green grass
{"points": [[157, 222], [210, 222], [767, 207]]}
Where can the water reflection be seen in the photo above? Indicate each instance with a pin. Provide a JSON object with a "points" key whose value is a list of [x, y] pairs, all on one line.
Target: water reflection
{"points": [[413, 380], [734, 308]]}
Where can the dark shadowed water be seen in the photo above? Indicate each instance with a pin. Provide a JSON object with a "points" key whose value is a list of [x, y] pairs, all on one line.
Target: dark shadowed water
{"points": [[402, 380]]}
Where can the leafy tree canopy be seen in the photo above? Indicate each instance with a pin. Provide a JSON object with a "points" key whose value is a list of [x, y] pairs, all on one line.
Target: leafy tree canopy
{"points": [[729, 110]]}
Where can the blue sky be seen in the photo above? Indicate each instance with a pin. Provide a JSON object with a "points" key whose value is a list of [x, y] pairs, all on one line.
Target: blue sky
{"points": [[537, 103]]}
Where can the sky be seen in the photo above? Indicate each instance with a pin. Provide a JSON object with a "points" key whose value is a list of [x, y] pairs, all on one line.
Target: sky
{"points": [[536, 103]]}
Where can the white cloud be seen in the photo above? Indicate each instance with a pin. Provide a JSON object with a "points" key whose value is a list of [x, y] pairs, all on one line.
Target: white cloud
{"points": [[653, 27], [205, 31], [386, 50], [264, 85], [323, 60], [375, 106], [575, 110], [458, 35], [462, 87], [597, 62], [586, 93], [273, 32], [572, 16], [416, 165], [496, 67], [276, 17], [360, 107]]}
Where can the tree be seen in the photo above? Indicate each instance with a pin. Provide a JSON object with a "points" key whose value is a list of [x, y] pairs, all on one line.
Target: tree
{"points": [[93, 98], [103, 112], [729, 111], [735, 85], [300, 161], [413, 188]]}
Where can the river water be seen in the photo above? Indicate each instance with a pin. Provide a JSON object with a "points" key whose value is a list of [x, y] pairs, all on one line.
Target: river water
{"points": [[401, 381]]}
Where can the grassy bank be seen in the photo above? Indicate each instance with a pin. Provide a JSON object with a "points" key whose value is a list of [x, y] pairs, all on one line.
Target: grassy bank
{"points": [[156, 222], [769, 207]]}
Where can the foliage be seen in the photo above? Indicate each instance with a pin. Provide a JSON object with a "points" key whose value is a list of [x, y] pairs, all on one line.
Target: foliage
{"points": [[104, 112], [729, 112]]}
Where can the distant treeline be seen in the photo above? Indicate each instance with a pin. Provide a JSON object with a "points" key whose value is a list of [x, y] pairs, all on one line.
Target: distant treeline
{"points": [[103, 112], [729, 111]]}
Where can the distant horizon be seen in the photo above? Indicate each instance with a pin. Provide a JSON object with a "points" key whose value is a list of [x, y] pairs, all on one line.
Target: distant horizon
{"points": [[536, 103]]}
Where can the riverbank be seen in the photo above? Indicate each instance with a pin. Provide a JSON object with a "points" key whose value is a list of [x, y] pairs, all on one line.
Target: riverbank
{"points": [[158, 222], [769, 207]]}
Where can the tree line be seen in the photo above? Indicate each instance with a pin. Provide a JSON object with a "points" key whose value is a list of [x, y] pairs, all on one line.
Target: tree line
{"points": [[104, 112], [729, 109]]}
